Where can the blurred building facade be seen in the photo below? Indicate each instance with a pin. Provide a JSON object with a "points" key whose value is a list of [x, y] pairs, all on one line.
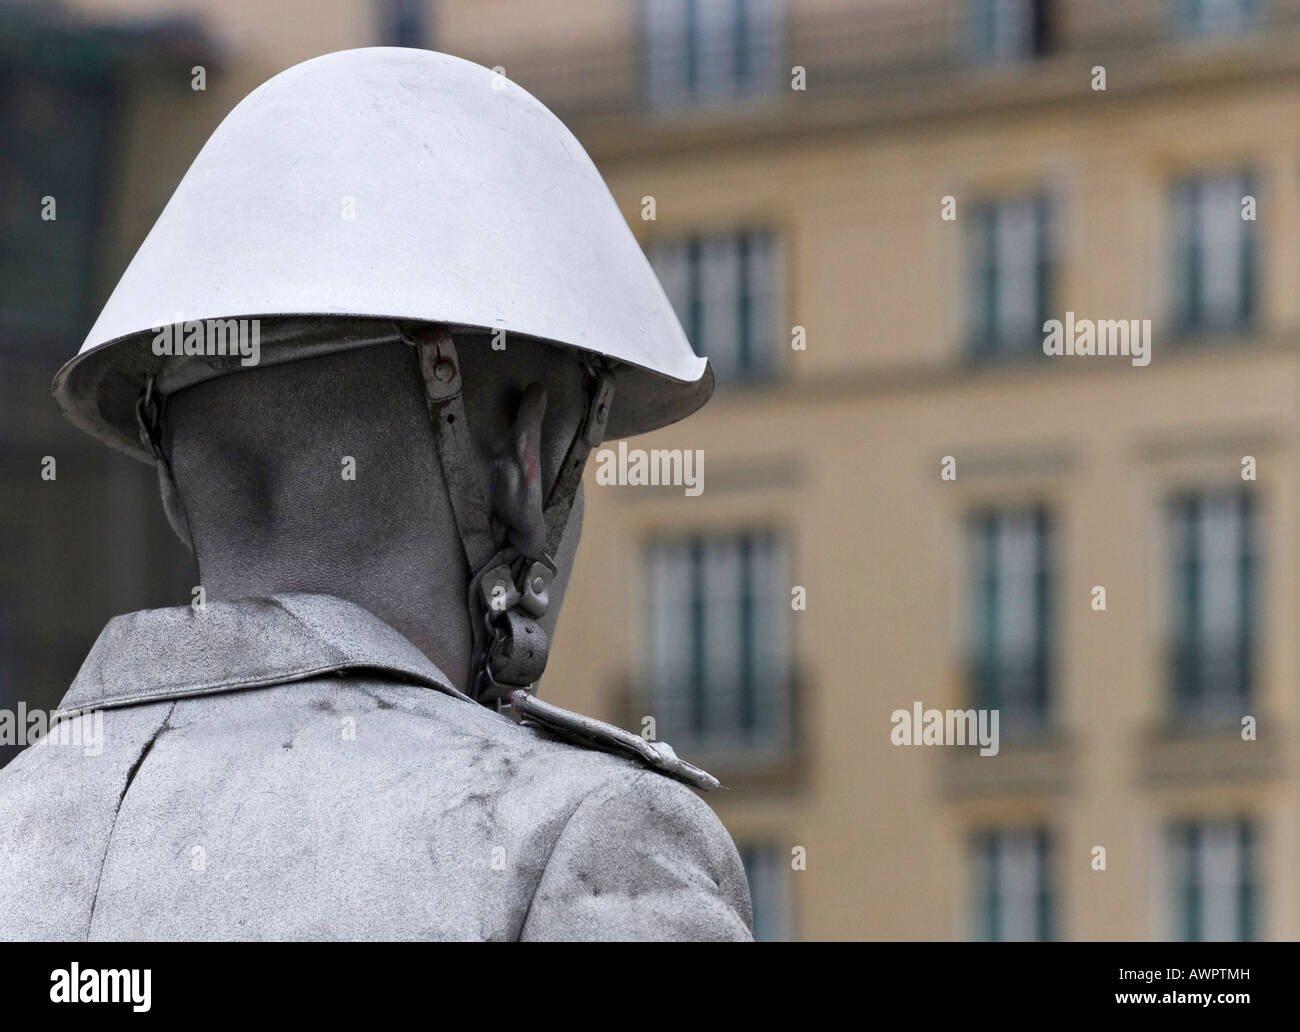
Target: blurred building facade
{"points": [[864, 213]]}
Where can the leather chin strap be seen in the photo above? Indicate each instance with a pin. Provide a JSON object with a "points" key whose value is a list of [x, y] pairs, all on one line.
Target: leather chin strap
{"points": [[508, 591]]}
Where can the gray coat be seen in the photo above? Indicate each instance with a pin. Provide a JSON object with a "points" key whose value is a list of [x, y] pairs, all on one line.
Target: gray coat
{"points": [[294, 768]]}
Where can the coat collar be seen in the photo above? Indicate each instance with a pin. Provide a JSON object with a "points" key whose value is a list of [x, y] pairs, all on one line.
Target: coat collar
{"points": [[161, 654]]}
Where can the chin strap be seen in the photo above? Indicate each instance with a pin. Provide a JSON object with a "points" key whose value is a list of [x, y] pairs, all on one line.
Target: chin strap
{"points": [[148, 418], [508, 591]]}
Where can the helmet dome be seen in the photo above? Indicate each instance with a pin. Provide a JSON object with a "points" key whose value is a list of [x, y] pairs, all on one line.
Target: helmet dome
{"points": [[388, 183]]}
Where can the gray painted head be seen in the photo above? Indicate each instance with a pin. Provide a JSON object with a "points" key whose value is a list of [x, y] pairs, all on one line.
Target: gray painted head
{"points": [[259, 459]]}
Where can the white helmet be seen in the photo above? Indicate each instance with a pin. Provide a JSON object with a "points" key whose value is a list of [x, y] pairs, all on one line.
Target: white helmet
{"points": [[472, 206]]}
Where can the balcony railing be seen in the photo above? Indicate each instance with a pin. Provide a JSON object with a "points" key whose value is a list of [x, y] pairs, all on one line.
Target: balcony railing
{"points": [[1019, 688], [1210, 684]]}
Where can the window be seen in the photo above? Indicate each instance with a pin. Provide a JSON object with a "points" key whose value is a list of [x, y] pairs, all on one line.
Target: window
{"points": [[1212, 875], [1008, 30], [723, 288], [1011, 581], [1010, 257], [1214, 255], [1214, 17], [718, 652], [709, 50], [403, 23], [766, 867], [1012, 884], [1213, 564]]}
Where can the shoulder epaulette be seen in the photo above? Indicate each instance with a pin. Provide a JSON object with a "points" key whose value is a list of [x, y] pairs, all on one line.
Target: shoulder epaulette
{"points": [[596, 734]]}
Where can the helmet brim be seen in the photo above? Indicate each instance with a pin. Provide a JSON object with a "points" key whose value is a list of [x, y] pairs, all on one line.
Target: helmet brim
{"points": [[98, 389]]}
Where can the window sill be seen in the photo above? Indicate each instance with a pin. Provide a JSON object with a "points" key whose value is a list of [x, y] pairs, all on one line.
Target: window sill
{"points": [[761, 767], [1040, 765], [1177, 754]]}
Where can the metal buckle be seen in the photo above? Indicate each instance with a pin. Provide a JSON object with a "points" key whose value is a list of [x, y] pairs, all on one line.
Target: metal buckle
{"points": [[511, 593]]}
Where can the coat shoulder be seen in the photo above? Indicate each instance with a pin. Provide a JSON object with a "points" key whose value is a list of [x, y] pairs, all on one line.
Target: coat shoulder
{"points": [[671, 873], [303, 810]]}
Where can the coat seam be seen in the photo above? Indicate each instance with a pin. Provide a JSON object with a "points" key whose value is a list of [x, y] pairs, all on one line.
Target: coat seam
{"points": [[121, 799]]}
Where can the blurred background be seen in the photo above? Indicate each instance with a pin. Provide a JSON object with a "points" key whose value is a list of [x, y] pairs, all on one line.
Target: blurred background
{"points": [[907, 189]]}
